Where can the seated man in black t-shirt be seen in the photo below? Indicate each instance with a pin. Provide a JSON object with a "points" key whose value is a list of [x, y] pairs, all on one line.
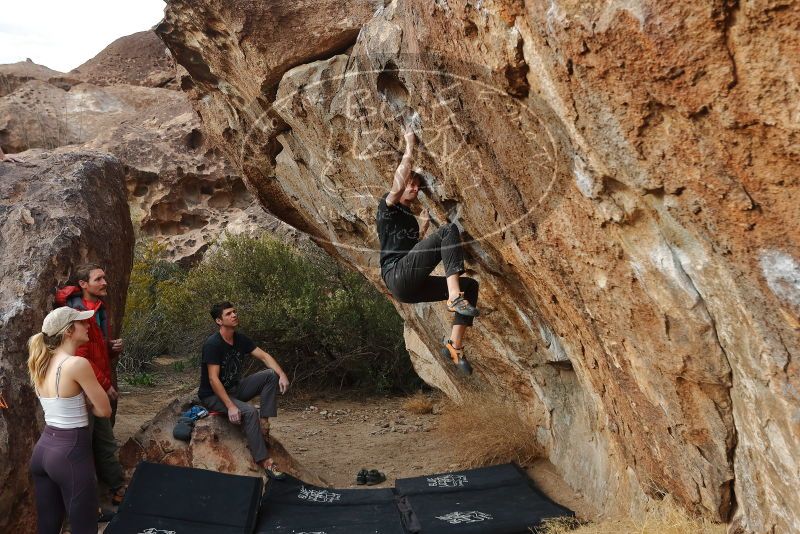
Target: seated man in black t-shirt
{"points": [[407, 262], [222, 387]]}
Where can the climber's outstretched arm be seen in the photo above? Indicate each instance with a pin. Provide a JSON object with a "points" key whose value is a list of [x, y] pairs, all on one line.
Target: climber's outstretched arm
{"points": [[403, 173]]}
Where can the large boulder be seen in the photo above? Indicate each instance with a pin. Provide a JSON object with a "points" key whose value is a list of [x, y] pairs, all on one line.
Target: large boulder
{"points": [[626, 178], [182, 192], [215, 444], [57, 210]]}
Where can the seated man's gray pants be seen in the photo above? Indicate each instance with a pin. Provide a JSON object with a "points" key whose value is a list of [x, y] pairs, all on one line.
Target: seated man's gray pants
{"points": [[263, 383]]}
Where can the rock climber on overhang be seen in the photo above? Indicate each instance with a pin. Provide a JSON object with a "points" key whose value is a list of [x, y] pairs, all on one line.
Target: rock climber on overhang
{"points": [[407, 260]]}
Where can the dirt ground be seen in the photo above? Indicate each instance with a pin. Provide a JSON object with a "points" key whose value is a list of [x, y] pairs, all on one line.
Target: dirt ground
{"points": [[335, 434]]}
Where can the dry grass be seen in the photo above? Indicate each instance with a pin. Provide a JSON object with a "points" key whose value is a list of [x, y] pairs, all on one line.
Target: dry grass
{"points": [[662, 517], [486, 431], [418, 403]]}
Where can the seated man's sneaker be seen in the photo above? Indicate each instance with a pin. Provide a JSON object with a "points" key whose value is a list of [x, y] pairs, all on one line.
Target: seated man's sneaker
{"points": [[462, 306], [457, 357], [118, 494], [273, 472]]}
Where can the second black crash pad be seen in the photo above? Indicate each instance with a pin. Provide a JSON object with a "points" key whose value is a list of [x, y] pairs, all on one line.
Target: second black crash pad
{"points": [[291, 507]]}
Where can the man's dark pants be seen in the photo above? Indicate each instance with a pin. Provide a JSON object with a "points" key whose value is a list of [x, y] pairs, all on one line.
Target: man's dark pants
{"points": [[264, 384], [410, 278], [104, 446]]}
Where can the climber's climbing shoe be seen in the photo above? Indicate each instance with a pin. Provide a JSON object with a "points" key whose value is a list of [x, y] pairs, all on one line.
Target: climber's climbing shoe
{"points": [[457, 357], [462, 306]]}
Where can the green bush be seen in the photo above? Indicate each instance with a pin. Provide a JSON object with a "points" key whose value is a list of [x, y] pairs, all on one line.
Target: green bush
{"points": [[326, 326], [143, 326], [140, 379]]}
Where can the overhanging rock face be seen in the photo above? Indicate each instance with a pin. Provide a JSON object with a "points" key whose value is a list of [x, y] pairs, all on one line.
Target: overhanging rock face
{"points": [[626, 178]]}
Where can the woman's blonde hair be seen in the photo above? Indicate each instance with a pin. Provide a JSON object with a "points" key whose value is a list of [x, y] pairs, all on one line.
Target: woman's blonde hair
{"points": [[40, 352]]}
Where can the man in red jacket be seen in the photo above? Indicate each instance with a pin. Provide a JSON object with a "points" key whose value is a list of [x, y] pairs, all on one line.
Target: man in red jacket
{"points": [[89, 295]]}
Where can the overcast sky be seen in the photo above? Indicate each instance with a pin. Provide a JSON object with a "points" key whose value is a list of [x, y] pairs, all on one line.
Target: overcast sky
{"points": [[62, 34]]}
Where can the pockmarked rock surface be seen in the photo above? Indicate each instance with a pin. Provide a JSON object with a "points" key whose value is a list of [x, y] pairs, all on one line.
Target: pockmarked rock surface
{"points": [[182, 193], [181, 190], [626, 177], [216, 444], [57, 210]]}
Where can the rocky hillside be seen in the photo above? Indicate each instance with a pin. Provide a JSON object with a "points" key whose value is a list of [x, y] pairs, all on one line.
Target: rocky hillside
{"points": [[181, 191], [13, 75], [137, 59], [626, 174]]}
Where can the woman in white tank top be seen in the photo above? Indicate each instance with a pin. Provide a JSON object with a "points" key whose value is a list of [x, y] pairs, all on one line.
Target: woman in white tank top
{"points": [[62, 464]]}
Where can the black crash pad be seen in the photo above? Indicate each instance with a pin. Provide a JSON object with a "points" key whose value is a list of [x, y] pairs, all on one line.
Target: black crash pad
{"points": [[491, 500], [292, 507], [181, 499]]}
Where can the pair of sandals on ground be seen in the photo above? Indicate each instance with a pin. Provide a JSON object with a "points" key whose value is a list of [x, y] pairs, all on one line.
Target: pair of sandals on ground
{"points": [[370, 477]]}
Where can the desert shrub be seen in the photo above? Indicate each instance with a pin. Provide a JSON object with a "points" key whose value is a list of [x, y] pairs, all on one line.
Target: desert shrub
{"points": [[326, 325], [487, 430], [419, 403], [140, 378], [144, 325]]}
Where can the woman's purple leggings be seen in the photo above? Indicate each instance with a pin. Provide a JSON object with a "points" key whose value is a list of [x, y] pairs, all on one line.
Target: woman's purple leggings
{"points": [[63, 475]]}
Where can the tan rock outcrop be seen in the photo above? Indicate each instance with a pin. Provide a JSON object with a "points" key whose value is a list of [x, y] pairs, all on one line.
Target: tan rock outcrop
{"points": [[42, 115], [215, 444], [57, 210], [626, 177], [137, 59], [182, 192], [13, 75]]}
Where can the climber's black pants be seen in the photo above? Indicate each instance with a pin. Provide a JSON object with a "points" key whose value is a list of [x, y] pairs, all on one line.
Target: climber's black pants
{"points": [[410, 280]]}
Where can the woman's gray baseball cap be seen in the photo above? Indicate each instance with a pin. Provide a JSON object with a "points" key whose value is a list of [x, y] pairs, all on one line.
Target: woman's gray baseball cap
{"points": [[60, 318]]}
